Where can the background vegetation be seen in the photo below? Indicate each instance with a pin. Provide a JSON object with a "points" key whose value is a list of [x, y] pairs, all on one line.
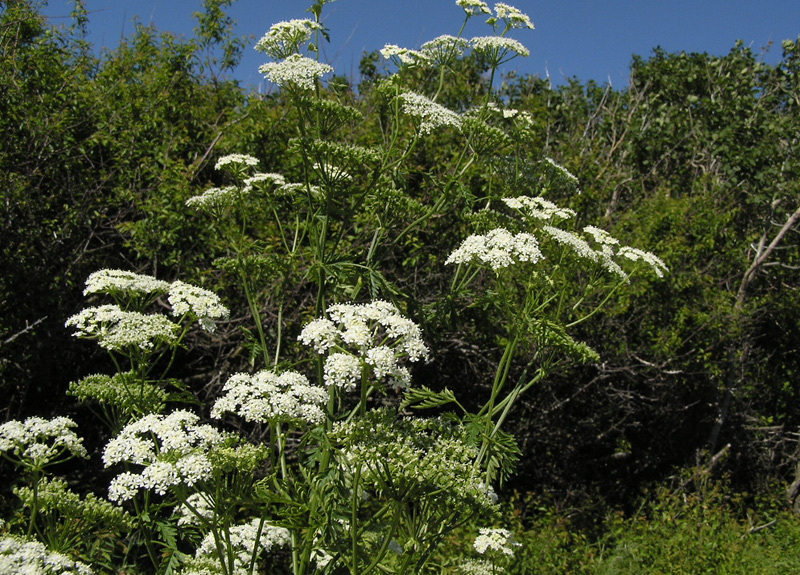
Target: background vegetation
{"points": [[675, 452]]}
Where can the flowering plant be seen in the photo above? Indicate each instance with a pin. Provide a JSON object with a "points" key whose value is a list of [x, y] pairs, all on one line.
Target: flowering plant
{"points": [[321, 466]]}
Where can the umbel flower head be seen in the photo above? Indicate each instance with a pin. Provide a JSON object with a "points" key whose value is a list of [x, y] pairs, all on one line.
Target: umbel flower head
{"points": [[236, 160], [203, 305], [244, 539], [499, 540], [115, 329], [23, 556], [498, 248], [295, 71], [286, 38], [512, 17], [372, 336], [430, 114], [403, 55], [269, 396], [474, 7], [172, 448], [123, 282], [37, 442]]}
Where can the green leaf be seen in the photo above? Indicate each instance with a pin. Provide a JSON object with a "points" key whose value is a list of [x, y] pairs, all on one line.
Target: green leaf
{"points": [[425, 398]]}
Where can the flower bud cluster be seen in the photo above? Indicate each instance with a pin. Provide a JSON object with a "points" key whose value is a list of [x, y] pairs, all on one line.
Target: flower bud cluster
{"points": [[269, 396], [414, 458], [172, 448], [372, 336]]}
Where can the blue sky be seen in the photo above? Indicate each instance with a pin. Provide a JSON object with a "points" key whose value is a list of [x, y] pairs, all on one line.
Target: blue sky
{"points": [[582, 38]]}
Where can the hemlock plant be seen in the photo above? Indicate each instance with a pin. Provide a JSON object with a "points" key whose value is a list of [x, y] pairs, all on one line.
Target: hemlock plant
{"points": [[342, 477]]}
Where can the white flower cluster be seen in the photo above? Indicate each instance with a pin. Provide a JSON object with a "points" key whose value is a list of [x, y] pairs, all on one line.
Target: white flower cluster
{"points": [[538, 208], [116, 329], [38, 442], [562, 170], [635, 254], [574, 241], [173, 448], [476, 567], [494, 540], [474, 7], [116, 281], [214, 199], [513, 17], [373, 336], [296, 70], [285, 38], [430, 114], [444, 49], [243, 541], [404, 55], [498, 248], [197, 505], [269, 396], [498, 46], [236, 160], [187, 299], [521, 116], [331, 172], [20, 556], [260, 180]]}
